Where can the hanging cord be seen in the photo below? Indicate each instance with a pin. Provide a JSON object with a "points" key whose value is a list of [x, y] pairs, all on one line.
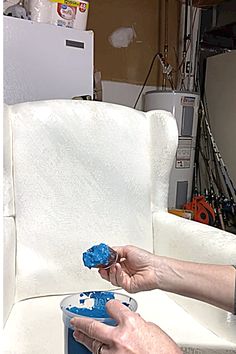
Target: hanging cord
{"points": [[166, 69], [145, 81], [206, 152], [197, 185], [164, 76], [191, 43]]}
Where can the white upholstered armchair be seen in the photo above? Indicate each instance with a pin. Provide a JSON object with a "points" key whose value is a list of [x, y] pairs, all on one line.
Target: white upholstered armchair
{"points": [[77, 173]]}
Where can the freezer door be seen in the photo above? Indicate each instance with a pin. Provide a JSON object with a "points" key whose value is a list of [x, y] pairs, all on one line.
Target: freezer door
{"points": [[43, 61]]}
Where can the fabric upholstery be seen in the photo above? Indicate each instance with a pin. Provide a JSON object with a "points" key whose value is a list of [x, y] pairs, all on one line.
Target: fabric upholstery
{"points": [[8, 195], [90, 172], [40, 328], [163, 144], [9, 260], [81, 176], [190, 241]]}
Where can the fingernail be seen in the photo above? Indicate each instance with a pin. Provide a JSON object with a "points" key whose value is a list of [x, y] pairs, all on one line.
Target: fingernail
{"points": [[72, 322]]}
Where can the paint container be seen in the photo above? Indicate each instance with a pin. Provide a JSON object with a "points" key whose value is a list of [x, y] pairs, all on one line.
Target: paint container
{"points": [[89, 304], [40, 10], [81, 17]]}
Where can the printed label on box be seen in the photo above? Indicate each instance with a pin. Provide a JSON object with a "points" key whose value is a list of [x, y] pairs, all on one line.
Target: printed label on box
{"points": [[83, 5]]}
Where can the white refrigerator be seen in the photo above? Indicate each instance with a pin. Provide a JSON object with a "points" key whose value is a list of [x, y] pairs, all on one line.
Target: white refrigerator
{"points": [[43, 61]]}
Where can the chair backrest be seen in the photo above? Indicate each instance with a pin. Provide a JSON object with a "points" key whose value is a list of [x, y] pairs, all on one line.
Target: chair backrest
{"points": [[8, 195], [83, 174]]}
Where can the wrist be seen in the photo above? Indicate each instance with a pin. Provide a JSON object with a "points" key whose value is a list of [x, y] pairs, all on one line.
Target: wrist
{"points": [[167, 273]]}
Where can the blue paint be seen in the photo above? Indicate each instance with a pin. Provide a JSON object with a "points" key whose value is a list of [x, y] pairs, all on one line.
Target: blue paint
{"points": [[99, 307], [89, 304], [96, 256], [97, 311], [75, 347]]}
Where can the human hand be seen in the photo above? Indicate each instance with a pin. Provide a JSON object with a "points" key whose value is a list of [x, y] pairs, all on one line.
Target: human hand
{"points": [[132, 335], [137, 270]]}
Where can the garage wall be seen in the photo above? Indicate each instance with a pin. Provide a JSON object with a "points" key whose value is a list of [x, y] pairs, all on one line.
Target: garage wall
{"points": [[147, 19]]}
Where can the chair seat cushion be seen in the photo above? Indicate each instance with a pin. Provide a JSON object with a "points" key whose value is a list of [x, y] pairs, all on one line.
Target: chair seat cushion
{"points": [[35, 326]]}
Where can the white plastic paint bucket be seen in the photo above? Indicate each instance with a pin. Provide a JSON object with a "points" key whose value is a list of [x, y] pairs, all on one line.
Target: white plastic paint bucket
{"points": [[88, 301]]}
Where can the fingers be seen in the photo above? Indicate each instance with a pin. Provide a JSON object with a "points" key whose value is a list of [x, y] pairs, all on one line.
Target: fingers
{"points": [[118, 311], [104, 274], [113, 274], [117, 276], [92, 329], [120, 275], [122, 251], [92, 333]]}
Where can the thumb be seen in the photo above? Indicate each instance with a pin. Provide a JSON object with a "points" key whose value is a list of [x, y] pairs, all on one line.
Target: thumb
{"points": [[118, 311]]}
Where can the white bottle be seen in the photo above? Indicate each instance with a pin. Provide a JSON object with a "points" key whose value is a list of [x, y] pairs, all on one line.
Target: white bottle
{"points": [[63, 15], [80, 22]]}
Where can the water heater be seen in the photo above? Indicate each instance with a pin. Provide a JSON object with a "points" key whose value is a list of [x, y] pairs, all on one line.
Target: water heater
{"points": [[184, 107]]}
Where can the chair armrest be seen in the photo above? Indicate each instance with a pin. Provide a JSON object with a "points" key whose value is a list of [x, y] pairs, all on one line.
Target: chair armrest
{"points": [[188, 240], [9, 249]]}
